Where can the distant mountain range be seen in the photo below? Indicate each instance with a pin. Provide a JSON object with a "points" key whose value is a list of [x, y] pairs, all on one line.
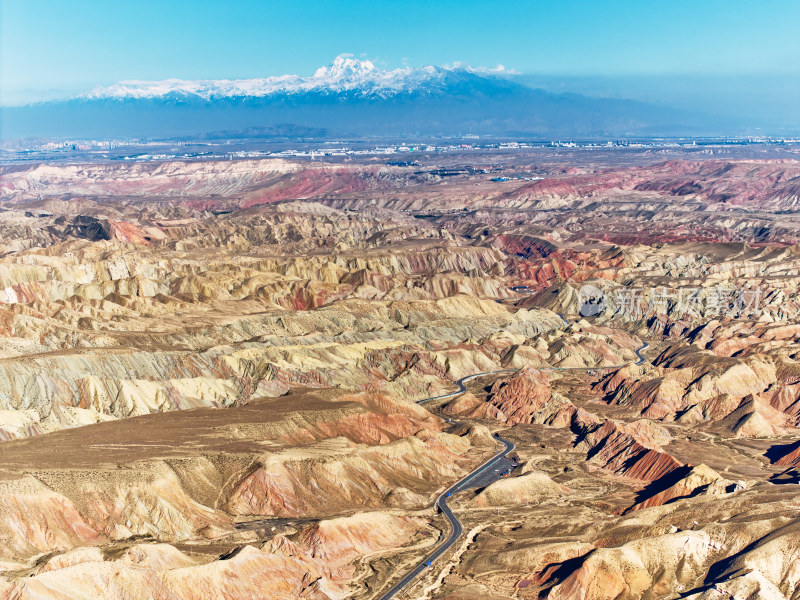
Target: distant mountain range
{"points": [[349, 97], [344, 75]]}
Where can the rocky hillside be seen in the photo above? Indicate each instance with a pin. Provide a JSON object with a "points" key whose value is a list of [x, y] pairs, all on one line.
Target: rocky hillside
{"points": [[208, 376]]}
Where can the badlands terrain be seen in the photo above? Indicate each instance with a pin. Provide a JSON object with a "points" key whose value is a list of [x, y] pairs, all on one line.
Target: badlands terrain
{"points": [[209, 375]]}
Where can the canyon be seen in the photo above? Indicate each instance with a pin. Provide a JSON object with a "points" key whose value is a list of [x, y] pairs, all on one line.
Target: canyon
{"points": [[210, 376]]}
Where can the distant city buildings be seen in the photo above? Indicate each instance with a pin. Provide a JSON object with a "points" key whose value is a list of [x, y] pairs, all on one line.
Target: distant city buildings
{"points": [[13, 151]]}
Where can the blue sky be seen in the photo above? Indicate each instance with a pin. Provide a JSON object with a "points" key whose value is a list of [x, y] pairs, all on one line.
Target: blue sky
{"points": [[61, 47]]}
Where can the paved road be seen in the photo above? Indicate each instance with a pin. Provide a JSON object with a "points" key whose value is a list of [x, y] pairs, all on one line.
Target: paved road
{"points": [[498, 461], [456, 528], [638, 351]]}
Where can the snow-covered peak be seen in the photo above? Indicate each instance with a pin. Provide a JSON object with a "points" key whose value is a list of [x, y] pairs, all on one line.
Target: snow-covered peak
{"points": [[345, 73], [346, 67]]}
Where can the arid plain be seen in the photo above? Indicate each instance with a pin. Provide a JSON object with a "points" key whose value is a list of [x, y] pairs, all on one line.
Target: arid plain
{"points": [[209, 373]]}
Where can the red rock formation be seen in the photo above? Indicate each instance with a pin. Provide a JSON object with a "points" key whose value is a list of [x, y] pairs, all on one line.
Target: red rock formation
{"points": [[36, 520], [684, 483], [618, 448], [787, 455], [749, 183], [128, 232], [524, 246], [626, 450], [526, 398]]}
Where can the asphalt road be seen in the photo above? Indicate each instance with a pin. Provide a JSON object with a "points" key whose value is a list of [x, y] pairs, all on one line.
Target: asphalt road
{"points": [[483, 475], [456, 528], [638, 351]]}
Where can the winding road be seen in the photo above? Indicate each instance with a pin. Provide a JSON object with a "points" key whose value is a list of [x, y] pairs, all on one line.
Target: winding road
{"points": [[456, 528]]}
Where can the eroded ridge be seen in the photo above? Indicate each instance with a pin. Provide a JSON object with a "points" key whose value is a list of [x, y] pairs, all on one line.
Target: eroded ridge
{"points": [[210, 374]]}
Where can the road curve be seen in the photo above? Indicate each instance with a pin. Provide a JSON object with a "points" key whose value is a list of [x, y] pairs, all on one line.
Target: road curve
{"points": [[456, 528], [638, 351]]}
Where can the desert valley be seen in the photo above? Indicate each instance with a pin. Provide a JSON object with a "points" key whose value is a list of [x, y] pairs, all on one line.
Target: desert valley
{"points": [[242, 379]]}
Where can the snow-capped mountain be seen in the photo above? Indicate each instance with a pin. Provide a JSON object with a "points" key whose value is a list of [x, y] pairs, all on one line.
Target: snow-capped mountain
{"points": [[344, 74], [349, 97]]}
